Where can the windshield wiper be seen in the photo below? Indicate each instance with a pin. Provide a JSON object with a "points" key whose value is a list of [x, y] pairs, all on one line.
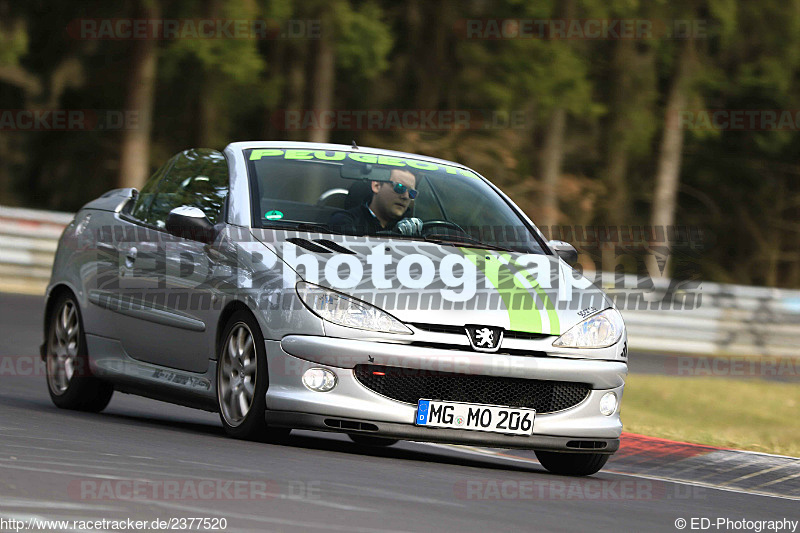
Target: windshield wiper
{"points": [[301, 226], [439, 238]]}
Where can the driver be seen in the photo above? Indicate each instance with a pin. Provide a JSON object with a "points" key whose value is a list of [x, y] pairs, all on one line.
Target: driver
{"points": [[390, 200]]}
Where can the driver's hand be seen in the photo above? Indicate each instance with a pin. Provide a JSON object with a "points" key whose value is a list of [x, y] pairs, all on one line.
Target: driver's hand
{"points": [[409, 226]]}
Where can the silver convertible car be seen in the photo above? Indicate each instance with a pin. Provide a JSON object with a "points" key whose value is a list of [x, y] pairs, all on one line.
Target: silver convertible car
{"points": [[375, 293]]}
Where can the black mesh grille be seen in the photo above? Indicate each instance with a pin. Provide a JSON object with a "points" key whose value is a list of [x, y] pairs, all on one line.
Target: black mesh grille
{"points": [[523, 335], [440, 328], [459, 330], [409, 385]]}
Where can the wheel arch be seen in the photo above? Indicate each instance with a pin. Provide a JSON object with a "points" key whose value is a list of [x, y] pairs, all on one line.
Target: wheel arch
{"points": [[227, 313]]}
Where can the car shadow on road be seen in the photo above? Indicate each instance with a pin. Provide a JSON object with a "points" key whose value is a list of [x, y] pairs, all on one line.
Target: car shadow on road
{"points": [[319, 441]]}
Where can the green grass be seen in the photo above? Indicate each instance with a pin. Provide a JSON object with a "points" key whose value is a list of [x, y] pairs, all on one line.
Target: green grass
{"points": [[743, 414]]}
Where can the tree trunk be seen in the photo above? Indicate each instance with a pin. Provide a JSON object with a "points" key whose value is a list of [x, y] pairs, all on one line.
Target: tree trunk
{"points": [[324, 78], [553, 152], [431, 66], [552, 157], [671, 149], [617, 203], [209, 129], [134, 165]]}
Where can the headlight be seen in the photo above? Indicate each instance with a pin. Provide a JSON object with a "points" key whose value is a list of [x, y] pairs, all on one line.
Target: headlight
{"points": [[346, 311], [598, 331]]}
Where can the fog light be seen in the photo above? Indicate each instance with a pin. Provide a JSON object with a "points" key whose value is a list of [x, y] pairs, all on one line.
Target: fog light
{"points": [[319, 379], [608, 404]]}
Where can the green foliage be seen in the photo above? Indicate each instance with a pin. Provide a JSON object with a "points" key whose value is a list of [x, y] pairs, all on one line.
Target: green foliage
{"points": [[363, 40], [237, 60], [391, 55], [13, 45]]}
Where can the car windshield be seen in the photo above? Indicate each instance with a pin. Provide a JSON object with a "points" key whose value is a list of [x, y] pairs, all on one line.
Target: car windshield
{"points": [[306, 188]]}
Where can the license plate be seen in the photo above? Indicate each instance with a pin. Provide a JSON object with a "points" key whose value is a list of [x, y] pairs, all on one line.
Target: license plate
{"points": [[477, 417]]}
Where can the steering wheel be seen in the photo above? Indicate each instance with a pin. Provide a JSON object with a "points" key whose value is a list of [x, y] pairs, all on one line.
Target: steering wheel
{"points": [[331, 193], [431, 224]]}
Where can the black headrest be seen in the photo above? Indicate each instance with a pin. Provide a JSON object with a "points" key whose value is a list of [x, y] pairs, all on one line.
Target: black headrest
{"points": [[360, 192]]}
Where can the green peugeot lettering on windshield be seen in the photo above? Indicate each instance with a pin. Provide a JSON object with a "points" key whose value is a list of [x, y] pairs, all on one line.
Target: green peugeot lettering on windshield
{"points": [[299, 154], [422, 165], [373, 159], [255, 155], [392, 161], [329, 156], [363, 158]]}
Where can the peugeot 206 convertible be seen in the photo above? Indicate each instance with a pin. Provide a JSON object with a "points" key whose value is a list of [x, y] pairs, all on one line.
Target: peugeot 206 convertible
{"points": [[380, 294]]}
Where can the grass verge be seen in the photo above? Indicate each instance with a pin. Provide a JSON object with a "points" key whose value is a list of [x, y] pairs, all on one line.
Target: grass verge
{"points": [[751, 415]]}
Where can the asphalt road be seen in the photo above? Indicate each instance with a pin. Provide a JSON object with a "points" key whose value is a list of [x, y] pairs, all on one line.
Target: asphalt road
{"points": [[147, 460]]}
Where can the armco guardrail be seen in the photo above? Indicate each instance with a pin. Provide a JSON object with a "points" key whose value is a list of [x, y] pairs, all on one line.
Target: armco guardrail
{"points": [[28, 240], [722, 319]]}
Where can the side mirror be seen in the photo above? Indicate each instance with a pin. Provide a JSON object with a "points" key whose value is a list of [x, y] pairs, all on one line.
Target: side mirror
{"points": [[190, 222], [564, 250]]}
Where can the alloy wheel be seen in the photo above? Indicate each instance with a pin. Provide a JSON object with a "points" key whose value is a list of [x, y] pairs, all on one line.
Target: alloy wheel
{"points": [[238, 373]]}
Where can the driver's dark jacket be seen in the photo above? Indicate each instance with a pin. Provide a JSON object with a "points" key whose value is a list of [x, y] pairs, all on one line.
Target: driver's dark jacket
{"points": [[356, 221]]}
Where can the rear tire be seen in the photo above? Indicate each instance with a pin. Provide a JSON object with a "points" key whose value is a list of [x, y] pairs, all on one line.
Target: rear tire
{"points": [[572, 464], [242, 380], [369, 440], [69, 379]]}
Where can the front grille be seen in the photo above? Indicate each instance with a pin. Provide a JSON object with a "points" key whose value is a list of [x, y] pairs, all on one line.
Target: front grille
{"points": [[440, 328], [459, 330], [409, 385], [467, 347], [524, 335]]}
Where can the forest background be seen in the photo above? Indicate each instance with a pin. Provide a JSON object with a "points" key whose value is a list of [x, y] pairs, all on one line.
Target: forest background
{"points": [[597, 118]]}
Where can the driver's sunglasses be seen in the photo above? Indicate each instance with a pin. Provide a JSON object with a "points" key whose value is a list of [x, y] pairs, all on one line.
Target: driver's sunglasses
{"points": [[400, 189]]}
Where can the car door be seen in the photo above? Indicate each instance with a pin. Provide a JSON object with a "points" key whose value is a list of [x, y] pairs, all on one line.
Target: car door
{"points": [[170, 318]]}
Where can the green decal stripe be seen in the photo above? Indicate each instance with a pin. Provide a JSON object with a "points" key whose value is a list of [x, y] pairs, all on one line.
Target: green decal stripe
{"points": [[525, 319], [384, 160], [552, 314]]}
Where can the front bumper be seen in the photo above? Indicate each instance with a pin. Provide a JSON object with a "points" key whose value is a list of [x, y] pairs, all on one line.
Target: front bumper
{"points": [[352, 408]]}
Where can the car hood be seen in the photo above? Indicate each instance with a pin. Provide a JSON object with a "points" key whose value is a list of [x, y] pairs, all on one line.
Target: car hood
{"points": [[429, 283]]}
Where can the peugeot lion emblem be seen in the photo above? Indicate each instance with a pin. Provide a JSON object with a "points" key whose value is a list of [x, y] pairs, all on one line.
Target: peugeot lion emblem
{"points": [[484, 338]]}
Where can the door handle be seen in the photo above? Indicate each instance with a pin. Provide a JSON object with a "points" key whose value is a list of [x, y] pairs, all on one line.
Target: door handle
{"points": [[130, 257]]}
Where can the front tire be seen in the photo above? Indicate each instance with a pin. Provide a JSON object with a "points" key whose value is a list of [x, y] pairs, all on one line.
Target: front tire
{"points": [[69, 379], [572, 464], [242, 380]]}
